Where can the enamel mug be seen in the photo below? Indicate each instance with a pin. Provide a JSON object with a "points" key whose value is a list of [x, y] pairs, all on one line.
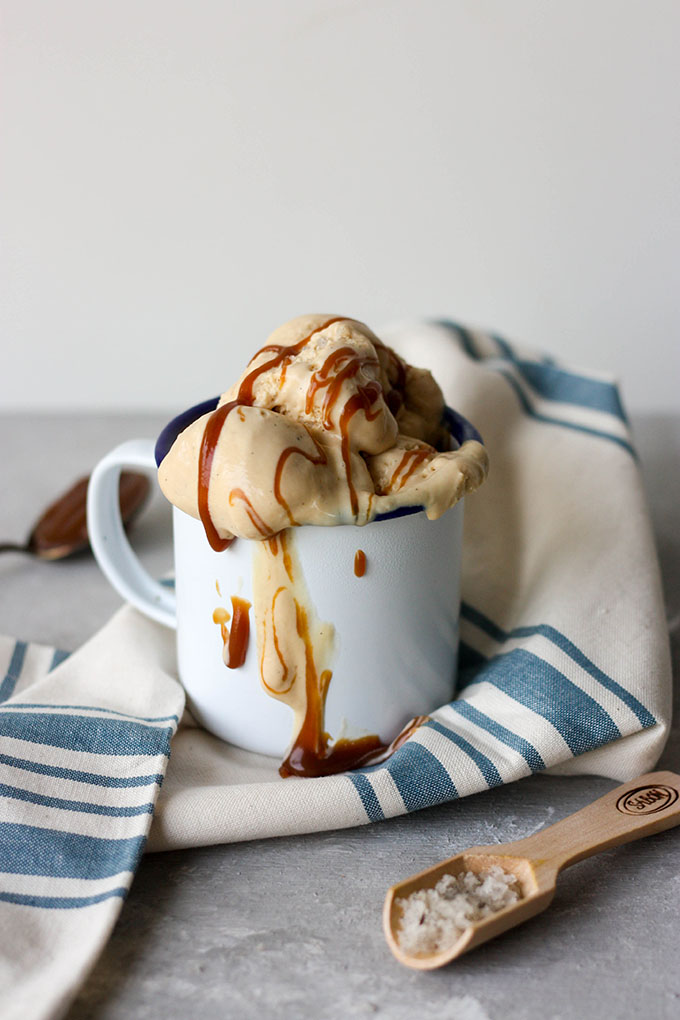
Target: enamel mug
{"points": [[395, 626]]}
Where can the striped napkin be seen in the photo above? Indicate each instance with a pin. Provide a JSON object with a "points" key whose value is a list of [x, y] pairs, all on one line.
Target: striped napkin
{"points": [[564, 666]]}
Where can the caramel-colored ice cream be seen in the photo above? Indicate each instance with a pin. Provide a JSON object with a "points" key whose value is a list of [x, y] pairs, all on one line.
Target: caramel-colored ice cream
{"points": [[326, 426]]}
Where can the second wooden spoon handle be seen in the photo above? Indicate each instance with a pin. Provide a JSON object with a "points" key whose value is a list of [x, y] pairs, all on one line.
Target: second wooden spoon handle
{"points": [[641, 807]]}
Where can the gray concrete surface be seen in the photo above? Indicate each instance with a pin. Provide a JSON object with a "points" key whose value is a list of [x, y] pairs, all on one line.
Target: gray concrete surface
{"points": [[290, 928]]}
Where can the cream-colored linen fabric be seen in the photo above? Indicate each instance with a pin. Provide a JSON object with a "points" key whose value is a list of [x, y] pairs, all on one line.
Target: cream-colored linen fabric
{"points": [[564, 666]]}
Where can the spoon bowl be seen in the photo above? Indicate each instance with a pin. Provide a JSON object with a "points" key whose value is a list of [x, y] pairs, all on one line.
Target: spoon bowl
{"points": [[536, 882], [646, 805], [61, 530]]}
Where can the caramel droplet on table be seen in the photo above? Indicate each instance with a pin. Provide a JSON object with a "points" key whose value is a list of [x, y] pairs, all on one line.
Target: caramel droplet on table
{"points": [[360, 563]]}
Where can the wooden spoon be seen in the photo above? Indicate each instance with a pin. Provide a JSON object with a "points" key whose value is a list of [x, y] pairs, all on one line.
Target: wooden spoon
{"points": [[61, 530], [648, 804]]}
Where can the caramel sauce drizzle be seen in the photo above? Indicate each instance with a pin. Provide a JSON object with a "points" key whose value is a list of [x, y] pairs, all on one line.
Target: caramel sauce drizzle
{"points": [[320, 458], [287, 559], [211, 434], [331, 376], [240, 632], [314, 757], [287, 685], [364, 398], [313, 752], [273, 544], [255, 518], [283, 354], [408, 465], [236, 638], [342, 364], [360, 563]]}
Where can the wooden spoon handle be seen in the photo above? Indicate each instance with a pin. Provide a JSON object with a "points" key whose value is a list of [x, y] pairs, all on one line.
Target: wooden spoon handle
{"points": [[641, 807]]}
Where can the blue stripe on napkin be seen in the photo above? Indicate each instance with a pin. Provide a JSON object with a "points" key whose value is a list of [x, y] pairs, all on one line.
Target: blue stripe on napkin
{"points": [[14, 670], [487, 625], [534, 683], [78, 775], [502, 733], [368, 796], [56, 737], [423, 778], [485, 765], [91, 708], [551, 383], [61, 902], [59, 656], [550, 420], [31, 850], [557, 384], [87, 807], [549, 380], [86, 733], [419, 776]]}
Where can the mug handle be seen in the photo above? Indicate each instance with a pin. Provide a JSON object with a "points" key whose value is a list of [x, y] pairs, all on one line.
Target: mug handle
{"points": [[110, 544]]}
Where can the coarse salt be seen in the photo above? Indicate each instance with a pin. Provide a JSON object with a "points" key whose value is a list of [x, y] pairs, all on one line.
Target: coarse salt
{"points": [[433, 919]]}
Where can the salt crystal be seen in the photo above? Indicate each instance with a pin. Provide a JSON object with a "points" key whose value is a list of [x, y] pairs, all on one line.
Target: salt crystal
{"points": [[433, 919]]}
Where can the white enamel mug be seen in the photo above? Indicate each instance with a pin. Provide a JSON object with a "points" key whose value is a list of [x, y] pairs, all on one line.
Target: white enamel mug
{"points": [[396, 627]]}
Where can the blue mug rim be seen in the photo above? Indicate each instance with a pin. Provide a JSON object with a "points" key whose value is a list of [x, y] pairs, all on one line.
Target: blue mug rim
{"points": [[460, 428]]}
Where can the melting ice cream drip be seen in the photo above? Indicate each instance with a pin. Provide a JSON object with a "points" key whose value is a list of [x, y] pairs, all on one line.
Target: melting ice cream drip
{"points": [[296, 649]]}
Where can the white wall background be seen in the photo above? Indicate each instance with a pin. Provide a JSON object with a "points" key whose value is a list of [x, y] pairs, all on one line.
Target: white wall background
{"points": [[180, 177]]}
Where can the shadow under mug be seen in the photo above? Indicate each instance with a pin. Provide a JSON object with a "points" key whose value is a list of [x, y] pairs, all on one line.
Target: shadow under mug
{"points": [[395, 628]]}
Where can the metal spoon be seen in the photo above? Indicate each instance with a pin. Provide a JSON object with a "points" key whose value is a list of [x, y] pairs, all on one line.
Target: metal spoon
{"points": [[646, 805], [61, 530]]}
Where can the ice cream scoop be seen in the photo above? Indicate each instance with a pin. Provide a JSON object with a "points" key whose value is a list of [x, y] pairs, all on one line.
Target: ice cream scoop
{"points": [[326, 426]]}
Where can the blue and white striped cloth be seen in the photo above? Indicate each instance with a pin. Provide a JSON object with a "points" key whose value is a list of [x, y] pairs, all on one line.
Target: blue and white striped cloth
{"points": [[564, 666], [84, 745]]}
